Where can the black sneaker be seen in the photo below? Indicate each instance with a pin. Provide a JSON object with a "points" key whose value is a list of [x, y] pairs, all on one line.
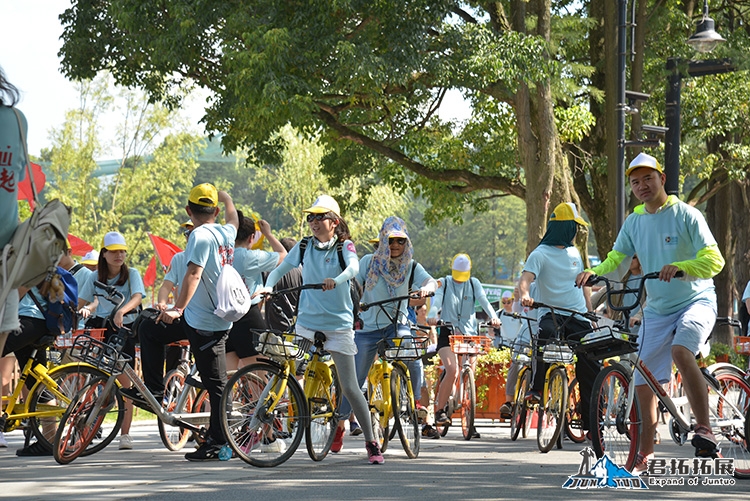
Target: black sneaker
{"points": [[35, 449], [137, 398], [442, 419], [430, 432], [209, 451], [475, 434]]}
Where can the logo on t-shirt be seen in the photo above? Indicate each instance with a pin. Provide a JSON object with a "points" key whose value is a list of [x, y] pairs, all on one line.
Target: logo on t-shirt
{"points": [[671, 240]]}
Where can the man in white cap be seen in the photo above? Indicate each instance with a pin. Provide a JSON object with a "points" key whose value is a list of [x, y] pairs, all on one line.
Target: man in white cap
{"points": [[455, 299], [669, 236]]}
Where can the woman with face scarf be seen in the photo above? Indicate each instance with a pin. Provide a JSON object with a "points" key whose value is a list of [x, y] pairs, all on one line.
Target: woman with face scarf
{"points": [[386, 273]]}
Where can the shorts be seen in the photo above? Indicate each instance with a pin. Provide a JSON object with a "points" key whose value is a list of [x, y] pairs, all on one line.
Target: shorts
{"points": [[444, 334], [242, 340], [9, 321], [689, 327], [336, 341]]}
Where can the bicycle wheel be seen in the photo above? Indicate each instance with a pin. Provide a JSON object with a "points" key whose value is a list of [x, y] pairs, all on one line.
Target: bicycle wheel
{"points": [[174, 438], [573, 419], [552, 411], [615, 431], [323, 406], [520, 414], [69, 379], [201, 404], [468, 396], [729, 413], [260, 432], [406, 419], [379, 406], [79, 426]]}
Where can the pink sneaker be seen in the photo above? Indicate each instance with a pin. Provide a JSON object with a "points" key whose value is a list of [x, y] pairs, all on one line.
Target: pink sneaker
{"points": [[373, 453], [251, 442], [338, 440]]}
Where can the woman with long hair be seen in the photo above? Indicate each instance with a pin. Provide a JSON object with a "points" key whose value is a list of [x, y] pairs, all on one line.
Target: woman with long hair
{"points": [[330, 310], [112, 270]]}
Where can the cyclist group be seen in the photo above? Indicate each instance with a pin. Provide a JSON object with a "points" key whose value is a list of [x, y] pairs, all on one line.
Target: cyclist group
{"points": [[667, 235]]}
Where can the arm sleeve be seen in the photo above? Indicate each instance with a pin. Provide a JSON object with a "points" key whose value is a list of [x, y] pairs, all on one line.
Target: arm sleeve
{"points": [[290, 262], [437, 300], [352, 263], [614, 258], [708, 263], [482, 298]]}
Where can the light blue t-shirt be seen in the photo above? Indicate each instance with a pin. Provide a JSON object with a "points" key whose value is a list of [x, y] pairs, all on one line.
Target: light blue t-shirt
{"points": [[251, 264], [134, 285], [176, 272], [556, 270], [375, 318], [746, 294], [210, 246], [675, 233], [457, 303], [28, 308], [322, 310], [12, 170]]}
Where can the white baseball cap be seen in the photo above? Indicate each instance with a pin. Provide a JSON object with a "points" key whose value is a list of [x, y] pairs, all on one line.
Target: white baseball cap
{"points": [[91, 257], [461, 267], [114, 241], [323, 204]]}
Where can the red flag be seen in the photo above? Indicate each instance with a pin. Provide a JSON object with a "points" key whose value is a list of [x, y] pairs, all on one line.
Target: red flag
{"points": [[164, 250], [78, 246], [149, 278], [24, 187]]}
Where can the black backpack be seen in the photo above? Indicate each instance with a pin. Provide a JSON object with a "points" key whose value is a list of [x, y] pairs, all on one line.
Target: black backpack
{"points": [[355, 288]]}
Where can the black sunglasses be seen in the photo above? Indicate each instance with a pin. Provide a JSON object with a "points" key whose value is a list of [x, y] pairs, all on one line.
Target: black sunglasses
{"points": [[316, 217], [400, 241], [186, 232]]}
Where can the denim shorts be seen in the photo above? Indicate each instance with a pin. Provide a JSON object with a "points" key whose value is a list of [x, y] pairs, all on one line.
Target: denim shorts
{"points": [[689, 327]]}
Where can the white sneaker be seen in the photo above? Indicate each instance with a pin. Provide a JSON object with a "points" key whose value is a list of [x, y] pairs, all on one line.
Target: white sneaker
{"points": [[276, 447], [126, 443], [3, 442]]}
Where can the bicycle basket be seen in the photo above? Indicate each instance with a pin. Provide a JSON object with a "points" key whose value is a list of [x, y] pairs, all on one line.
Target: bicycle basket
{"points": [[520, 352], [742, 344], [406, 348], [470, 345], [605, 342], [557, 352], [66, 340], [282, 346], [99, 354]]}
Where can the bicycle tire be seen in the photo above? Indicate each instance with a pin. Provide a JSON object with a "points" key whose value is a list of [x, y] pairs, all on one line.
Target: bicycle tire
{"points": [[245, 405], [552, 412], [406, 420], [320, 431], [174, 438], [73, 435], [520, 410], [732, 437], [573, 418], [377, 402], [70, 379], [612, 432], [468, 396], [202, 403]]}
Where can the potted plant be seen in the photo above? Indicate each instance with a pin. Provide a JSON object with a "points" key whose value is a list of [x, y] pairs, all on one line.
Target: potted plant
{"points": [[720, 352], [491, 370]]}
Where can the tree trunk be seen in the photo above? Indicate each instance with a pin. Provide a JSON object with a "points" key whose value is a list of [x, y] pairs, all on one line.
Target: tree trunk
{"points": [[740, 226]]}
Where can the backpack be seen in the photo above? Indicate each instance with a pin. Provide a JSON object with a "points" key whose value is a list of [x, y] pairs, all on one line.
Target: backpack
{"points": [[61, 316], [355, 288], [232, 296]]}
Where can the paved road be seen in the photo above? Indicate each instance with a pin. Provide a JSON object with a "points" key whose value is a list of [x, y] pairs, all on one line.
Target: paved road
{"points": [[492, 467]]}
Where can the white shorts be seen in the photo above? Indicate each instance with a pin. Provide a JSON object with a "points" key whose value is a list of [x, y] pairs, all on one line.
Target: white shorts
{"points": [[689, 327], [336, 341]]}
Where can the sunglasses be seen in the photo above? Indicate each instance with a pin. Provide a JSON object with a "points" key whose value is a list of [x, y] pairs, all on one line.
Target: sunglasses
{"points": [[316, 217], [400, 241], [186, 232], [507, 301]]}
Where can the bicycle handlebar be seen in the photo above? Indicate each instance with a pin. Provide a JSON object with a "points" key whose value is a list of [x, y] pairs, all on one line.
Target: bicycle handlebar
{"points": [[587, 315], [594, 279], [367, 306], [294, 289]]}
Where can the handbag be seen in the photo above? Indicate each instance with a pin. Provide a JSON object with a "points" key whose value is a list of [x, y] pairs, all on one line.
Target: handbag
{"points": [[38, 243]]}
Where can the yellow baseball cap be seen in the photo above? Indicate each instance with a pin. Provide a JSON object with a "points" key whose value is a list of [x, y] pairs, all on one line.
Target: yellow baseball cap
{"points": [[567, 212], [114, 241], [91, 257], [323, 204], [644, 160], [187, 224], [461, 267], [204, 194]]}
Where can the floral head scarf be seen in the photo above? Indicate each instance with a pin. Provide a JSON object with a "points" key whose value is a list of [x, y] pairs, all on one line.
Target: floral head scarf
{"points": [[393, 271]]}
